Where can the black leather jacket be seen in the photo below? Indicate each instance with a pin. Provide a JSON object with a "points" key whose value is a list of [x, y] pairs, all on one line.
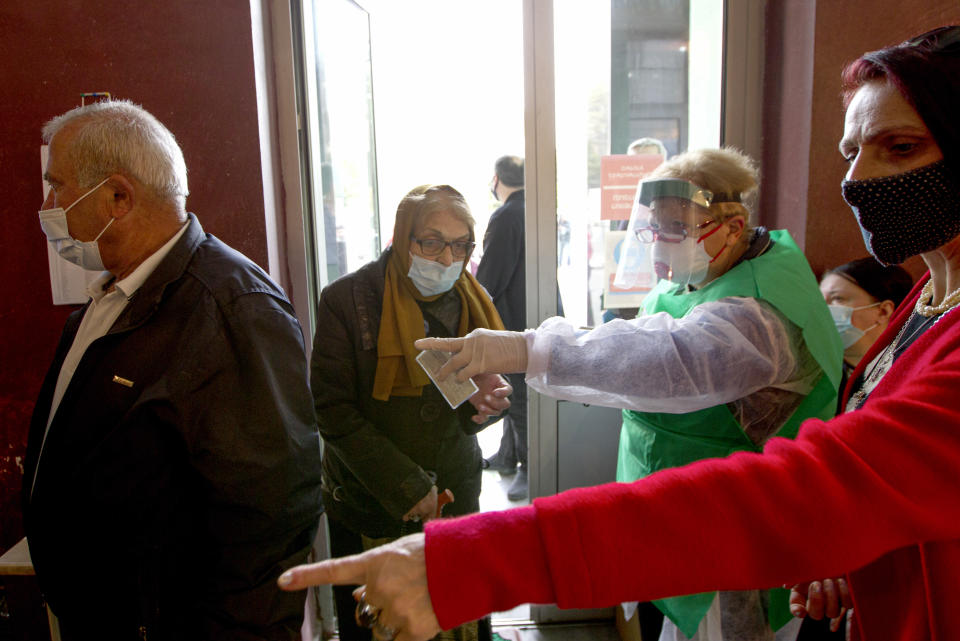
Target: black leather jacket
{"points": [[180, 475], [380, 457]]}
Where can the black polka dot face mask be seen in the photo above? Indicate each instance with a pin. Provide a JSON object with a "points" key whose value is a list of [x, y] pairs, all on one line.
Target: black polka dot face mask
{"points": [[906, 214]]}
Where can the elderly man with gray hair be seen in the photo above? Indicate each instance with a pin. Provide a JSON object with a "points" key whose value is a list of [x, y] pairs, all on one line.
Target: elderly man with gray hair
{"points": [[173, 461]]}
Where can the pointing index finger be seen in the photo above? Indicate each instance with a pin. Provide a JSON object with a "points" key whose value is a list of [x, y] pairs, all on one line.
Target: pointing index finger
{"points": [[348, 570], [442, 344]]}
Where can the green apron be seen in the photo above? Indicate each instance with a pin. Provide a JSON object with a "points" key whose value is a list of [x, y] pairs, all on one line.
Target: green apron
{"points": [[651, 441]]}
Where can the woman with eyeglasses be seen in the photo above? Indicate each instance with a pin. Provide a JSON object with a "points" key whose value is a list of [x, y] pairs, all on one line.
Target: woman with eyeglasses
{"points": [[392, 444], [735, 346], [872, 495]]}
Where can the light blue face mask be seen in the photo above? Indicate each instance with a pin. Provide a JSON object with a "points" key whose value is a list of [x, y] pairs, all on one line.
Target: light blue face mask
{"points": [[432, 278], [849, 333], [86, 254]]}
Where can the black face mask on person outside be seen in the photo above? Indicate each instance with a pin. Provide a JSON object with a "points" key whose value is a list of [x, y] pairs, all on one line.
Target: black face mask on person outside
{"points": [[906, 214]]}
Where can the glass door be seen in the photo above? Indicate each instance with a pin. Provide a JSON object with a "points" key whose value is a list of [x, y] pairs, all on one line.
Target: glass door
{"points": [[338, 138], [651, 75], [567, 85], [447, 78], [612, 89]]}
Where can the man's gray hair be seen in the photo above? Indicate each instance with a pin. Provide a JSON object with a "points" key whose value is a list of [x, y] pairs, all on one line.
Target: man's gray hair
{"points": [[117, 136], [641, 143]]}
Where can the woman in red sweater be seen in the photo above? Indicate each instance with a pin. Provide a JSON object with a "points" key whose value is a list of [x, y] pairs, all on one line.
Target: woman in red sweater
{"points": [[873, 494]]}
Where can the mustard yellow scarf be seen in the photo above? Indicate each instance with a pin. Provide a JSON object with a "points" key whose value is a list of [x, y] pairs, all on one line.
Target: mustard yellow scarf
{"points": [[401, 321]]}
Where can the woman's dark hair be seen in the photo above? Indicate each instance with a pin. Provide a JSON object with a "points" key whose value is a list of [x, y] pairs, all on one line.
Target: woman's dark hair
{"points": [[881, 282], [926, 71], [509, 169]]}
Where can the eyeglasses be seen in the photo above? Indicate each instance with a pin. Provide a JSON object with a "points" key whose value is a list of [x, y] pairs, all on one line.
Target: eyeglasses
{"points": [[435, 246], [942, 40], [675, 232]]}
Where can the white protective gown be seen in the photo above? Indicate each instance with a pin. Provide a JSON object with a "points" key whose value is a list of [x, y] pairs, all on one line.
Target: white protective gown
{"points": [[736, 351]]}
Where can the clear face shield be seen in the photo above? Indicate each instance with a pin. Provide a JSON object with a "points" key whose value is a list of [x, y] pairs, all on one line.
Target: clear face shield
{"points": [[669, 221]]}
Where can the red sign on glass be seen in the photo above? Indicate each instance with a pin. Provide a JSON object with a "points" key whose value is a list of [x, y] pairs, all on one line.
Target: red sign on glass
{"points": [[619, 176]]}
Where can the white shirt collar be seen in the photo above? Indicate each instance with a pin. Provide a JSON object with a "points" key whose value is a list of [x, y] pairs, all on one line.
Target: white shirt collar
{"points": [[129, 285]]}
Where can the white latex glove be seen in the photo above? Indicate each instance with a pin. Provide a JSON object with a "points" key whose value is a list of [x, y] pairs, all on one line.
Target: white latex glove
{"points": [[482, 351]]}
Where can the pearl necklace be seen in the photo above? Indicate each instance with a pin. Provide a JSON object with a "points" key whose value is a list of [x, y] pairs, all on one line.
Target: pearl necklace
{"points": [[882, 364], [925, 309]]}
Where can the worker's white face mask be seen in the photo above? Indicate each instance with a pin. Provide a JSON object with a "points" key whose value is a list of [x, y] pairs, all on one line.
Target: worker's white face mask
{"points": [[86, 254], [683, 263]]}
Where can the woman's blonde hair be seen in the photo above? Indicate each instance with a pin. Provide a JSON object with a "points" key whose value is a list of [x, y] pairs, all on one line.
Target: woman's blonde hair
{"points": [[730, 174]]}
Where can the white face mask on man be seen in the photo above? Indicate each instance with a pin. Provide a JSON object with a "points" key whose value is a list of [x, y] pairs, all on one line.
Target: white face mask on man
{"points": [[86, 254], [432, 278]]}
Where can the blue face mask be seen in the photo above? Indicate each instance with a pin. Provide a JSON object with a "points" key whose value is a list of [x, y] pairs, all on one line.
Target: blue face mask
{"points": [[86, 254], [849, 333], [432, 278]]}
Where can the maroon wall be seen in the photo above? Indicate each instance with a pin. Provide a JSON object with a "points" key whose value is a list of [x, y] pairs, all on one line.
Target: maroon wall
{"points": [[803, 118], [786, 132], [190, 64]]}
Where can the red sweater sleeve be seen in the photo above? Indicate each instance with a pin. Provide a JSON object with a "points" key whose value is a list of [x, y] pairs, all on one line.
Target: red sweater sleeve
{"points": [[473, 563], [843, 494]]}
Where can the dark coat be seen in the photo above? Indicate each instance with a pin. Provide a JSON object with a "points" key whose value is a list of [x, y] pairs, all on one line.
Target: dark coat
{"points": [[502, 269], [166, 506], [379, 455]]}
